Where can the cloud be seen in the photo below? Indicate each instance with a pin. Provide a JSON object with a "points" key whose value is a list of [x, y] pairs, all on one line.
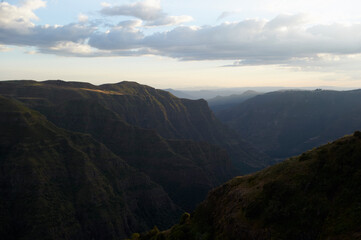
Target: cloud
{"points": [[17, 28], [67, 48], [147, 10], [130, 24], [258, 42], [83, 18], [45, 35], [18, 18], [287, 40], [119, 38], [227, 14], [170, 20]]}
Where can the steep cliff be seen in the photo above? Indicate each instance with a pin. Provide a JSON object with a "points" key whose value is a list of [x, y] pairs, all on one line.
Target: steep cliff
{"points": [[55, 184], [145, 107]]}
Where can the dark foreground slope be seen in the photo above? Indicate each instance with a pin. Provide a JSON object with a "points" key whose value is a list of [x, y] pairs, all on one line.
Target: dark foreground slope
{"points": [[316, 195], [144, 107], [287, 123], [55, 184]]}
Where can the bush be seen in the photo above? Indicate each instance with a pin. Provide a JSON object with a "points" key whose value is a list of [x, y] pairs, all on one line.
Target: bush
{"points": [[184, 218]]}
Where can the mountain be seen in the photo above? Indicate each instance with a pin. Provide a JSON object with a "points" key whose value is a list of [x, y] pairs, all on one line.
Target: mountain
{"points": [[221, 92], [287, 123], [221, 103], [56, 184], [207, 94], [316, 195], [186, 169], [143, 107]]}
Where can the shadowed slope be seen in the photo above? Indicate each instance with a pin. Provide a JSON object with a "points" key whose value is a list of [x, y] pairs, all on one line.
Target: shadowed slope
{"points": [[186, 175], [55, 184]]}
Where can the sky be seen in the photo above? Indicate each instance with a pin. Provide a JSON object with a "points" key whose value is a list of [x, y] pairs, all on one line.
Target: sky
{"points": [[183, 44]]}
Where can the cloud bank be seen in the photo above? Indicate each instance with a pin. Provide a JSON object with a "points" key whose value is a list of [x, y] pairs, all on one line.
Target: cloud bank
{"points": [[284, 40]]}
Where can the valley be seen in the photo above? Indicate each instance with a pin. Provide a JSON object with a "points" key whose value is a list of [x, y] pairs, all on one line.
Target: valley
{"points": [[115, 159]]}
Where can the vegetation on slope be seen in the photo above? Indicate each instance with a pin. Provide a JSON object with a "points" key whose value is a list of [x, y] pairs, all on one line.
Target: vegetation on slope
{"points": [[316, 195], [56, 184]]}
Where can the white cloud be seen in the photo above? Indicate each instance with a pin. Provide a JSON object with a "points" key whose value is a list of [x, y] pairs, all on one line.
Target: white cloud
{"points": [[83, 18], [147, 10], [18, 18], [227, 14], [67, 48], [170, 20], [17, 28]]}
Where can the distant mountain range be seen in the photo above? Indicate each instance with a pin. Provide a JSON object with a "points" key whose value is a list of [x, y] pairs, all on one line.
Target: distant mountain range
{"points": [[210, 93], [287, 123], [220, 103], [316, 195]]}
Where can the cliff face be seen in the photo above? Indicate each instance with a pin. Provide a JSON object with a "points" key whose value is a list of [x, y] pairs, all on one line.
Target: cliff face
{"points": [[144, 107], [55, 184], [316, 195], [186, 169]]}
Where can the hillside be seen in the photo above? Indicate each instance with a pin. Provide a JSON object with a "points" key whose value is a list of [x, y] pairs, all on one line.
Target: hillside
{"points": [[56, 184], [186, 169], [287, 123], [144, 107], [316, 195]]}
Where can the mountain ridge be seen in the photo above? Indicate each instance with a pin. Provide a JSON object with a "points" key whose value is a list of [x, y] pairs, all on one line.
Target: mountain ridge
{"points": [[286, 123], [149, 108]]}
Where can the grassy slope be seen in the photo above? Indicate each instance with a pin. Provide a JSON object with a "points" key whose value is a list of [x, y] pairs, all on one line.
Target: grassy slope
{"points": [[316, 195]]}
